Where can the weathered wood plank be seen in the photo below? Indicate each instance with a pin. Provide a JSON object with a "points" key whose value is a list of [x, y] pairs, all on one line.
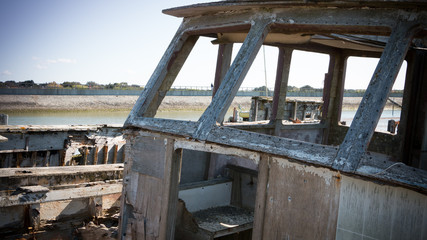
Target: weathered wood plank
{"points": [[115, 150], [170, 196], [46, 159], [233, 79], [215, 148], [299, 194], [59, 195], [150, 196], [105, 156], [163, 75], [85, 156], [95, 155], [281, 84], [357, 20], [222, 64], [183, 128], [368, 114], [11, 178], [304, 151], [261, 197]]}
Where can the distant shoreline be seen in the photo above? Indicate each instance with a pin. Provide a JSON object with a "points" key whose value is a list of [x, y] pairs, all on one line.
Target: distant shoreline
{"points": [[58, 103]]}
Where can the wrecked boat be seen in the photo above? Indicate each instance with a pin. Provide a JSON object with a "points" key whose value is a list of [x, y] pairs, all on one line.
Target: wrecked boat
{"points": [[55, 178], [208, 179], [272, 180]]}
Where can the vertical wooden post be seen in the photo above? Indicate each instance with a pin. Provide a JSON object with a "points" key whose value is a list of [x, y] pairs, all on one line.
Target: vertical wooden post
{"points": [[281, 88], [34, 159], [115, 149], [327, 86], [281, 84], [18, 159], [232, 79], [222, 64], [334, 103], [412, 119], [85, 154], [95, 155], [261, 195], [62, 157], [171, 196], [295, 110], [46, 159], [105, 157], [367, 116]]}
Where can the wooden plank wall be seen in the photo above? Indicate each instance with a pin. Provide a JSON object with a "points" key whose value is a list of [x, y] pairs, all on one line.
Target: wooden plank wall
{"points": [[150, 192], [300, 202]]}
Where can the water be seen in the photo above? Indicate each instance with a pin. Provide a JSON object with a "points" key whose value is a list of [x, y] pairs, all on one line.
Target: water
{"points": [[119, 117], [88, 118], [382, 124]]}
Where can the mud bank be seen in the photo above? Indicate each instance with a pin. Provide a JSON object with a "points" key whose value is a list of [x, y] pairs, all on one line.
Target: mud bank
{"points": [[11, 103]]}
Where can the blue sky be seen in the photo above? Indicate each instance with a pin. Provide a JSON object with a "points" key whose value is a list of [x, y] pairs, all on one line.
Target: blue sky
{"points": [[109, 41]]}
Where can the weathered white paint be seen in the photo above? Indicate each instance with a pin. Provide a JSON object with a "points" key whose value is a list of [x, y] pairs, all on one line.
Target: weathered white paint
{"points": [[368, 210], [323, 173]]}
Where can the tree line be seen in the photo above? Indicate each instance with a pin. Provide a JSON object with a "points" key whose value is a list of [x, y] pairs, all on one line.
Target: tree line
{"points": [[69, 85], [126, 86]]}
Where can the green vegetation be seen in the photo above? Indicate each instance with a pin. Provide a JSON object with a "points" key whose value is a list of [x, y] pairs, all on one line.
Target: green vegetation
{"points": [[126, 86], [69, 85]]}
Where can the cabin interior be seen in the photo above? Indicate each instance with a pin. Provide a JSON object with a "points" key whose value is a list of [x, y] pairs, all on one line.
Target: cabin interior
{"points": [[212, 179]]}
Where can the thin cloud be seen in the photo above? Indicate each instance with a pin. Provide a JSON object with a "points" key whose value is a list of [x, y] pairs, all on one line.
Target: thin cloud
{"points": [[6, 73], [39, 66], [44, 64], [66, 60]]}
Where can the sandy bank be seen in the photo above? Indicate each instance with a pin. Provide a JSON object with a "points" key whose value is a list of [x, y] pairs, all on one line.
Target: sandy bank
{"points": [[10, 103]]}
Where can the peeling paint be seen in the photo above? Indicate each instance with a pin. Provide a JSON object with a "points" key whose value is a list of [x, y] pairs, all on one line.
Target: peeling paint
{"points": [[324, 173]]}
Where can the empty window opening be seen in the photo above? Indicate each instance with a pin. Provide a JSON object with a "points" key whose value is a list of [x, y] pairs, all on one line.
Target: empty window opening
{"points": [[191, 92], [358, 75]]}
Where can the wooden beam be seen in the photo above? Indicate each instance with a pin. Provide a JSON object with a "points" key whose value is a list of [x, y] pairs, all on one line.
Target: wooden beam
{"points": [[233, 79], [85, 155], [173, 173], [261, 197], [178, 127], [34, 159], [105, 156], [95, 155], [281, 88], [367, 116], [115, 150], [46, 159], [164, 75], [59, 195], [222, 65]]}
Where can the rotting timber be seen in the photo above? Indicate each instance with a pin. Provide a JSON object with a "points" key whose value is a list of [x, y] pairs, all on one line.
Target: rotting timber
{"points": [[285, 181], [55, 178]]}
